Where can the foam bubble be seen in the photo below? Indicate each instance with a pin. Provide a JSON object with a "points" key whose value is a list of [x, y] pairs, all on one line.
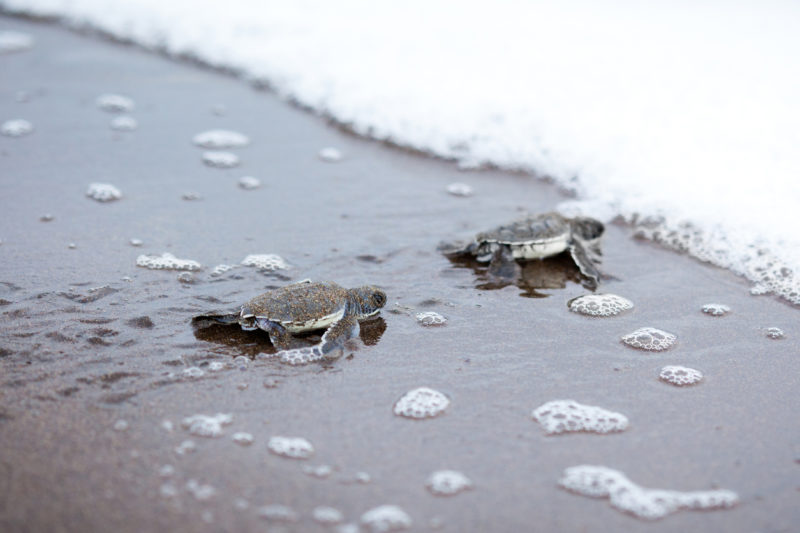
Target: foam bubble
{"points": [[460, 189], [241, 504], [168, 490], [206, 425], [775, 333], [115, 103], [320, 471], [166, 471], [363, 478], [120, 425], [292, 447], [191, 196], [680, 375], [72, 246], [422, 402], [193, 372], [327, 515], [136, 242], [651, 339], [431, 318], [16, 128], [562, 416], [277, 513], [627, 496], [386, 518], [47, 217], [103, 192], [599, 305], [216, 366], [221, 269], [716, 309], [331, 155], [167, 425], [124, 123], [187, 446], [265, 262], [448, 483], [200, 491], [249, 183], [216, 139], [245, 439], [166, 261], [219, 159], [14, 41]]}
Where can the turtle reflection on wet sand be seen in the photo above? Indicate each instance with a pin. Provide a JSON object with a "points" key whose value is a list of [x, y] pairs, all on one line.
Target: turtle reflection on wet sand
{"points": [[536, 237], [302, 307]]}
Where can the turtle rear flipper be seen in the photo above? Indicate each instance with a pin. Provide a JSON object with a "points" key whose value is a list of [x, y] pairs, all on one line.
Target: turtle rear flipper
{"points": [[278, 336], [584, 262], [338, 334]]}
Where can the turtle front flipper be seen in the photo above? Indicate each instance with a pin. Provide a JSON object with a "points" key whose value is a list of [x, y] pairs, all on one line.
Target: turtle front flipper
{"points": [[503, 265], [226, 319], [338, 334], [585, 264], [278, 336]]}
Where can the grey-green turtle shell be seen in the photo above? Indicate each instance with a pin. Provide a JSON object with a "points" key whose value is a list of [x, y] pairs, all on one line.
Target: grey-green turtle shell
{"points": [[299, 307]]}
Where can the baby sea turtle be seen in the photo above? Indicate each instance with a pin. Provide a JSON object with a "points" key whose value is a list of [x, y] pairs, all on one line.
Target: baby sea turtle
{"points": [[537, 237], [307, 306]]}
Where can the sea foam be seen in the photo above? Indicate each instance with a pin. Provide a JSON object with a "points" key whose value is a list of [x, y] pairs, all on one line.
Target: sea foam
{"points": [[691, 140]]}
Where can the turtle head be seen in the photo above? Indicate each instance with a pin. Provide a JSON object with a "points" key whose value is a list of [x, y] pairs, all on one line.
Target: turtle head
{"points": [[367, 300], [587, 229]]}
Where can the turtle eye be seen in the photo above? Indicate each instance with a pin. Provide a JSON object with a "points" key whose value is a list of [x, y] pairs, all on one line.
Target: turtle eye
{"points": [[379, 298]]}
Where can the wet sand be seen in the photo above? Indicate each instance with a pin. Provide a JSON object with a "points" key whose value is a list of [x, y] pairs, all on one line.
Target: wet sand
{"points": [[75, 360]]}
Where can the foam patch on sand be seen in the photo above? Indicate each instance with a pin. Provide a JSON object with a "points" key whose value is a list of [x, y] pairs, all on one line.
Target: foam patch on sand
{"points": [[386, 518], [448, 482], [600, 305], [680, 376], [693, 139], [422, 402], [627, 496], [292, 447], [103, 192], [650, 339], [166, 261], [217, 139], [206, 425], [561, 416]]}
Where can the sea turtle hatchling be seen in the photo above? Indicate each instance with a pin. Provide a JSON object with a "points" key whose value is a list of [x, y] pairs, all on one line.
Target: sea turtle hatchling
{"points": [[537, 237], [306, 306]]}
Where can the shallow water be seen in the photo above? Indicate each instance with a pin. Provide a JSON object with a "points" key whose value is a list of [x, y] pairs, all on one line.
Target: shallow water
{"points": [[89, 339]]}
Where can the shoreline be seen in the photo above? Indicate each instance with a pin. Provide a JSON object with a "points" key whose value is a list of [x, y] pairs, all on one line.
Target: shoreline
{"points": [[76, 361]]}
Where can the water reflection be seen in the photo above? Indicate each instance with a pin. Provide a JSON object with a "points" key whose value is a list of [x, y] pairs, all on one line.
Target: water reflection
{"points": [[533, 275]]}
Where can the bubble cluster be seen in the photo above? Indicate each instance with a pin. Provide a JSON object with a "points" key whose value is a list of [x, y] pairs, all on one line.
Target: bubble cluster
{"points": [[219, 159], [221, 269], [448, 483], [200, 491], [327, 515], [650, 339], [14, 41], [120, 425], [386, 518], [431, 318], [680, 375], [206, 425], [627, 496], [124, 123], [103, 192], [301, 356], [716, 309], [216, 366], [249, 183], [193, 372], [265, 262], [216, 139], [245, 439], [166, 261], [277, 513], [16, 128], [422, 402], [562, 416], [775, 333], [136, 242], [599, 305], [331, 155], [459, 189], [292, 447], [115, 103], [187, 446]]}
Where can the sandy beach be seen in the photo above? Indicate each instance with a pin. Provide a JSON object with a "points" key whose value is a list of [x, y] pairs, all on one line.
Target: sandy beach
{"points": [[93, 349]]}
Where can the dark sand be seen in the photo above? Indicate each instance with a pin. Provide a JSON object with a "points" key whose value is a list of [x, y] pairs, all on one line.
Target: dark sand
{"points": [[74, 361]]}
